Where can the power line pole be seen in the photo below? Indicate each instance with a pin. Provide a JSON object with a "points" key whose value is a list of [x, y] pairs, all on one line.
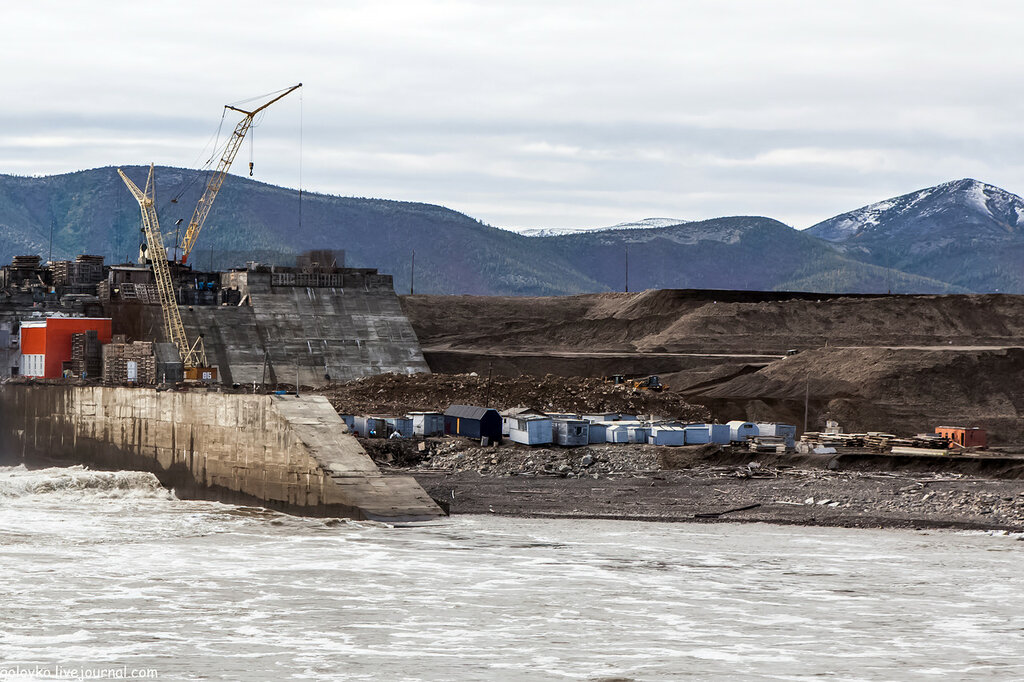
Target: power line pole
{"points": [[412, 274]]}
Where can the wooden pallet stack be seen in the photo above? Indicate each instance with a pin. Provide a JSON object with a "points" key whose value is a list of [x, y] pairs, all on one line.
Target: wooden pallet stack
{"points": [[86, 355], [129, 363]]}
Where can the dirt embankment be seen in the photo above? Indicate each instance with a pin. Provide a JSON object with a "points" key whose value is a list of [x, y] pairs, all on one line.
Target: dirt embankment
{"points": [[396, 394], [873, 389], [712, 321]]}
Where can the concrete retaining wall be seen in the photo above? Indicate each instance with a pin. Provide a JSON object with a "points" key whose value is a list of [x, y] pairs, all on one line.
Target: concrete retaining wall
{"points": [[285, 452]]}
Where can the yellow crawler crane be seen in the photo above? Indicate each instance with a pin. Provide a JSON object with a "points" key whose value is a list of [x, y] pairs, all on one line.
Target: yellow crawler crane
{"points": [[193, 356], [213, 185]]}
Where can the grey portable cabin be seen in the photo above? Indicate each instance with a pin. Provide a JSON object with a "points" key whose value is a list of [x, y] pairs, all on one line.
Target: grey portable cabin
{"points": [[371, 427], [571, 432], [473, 422], [427, 424]]}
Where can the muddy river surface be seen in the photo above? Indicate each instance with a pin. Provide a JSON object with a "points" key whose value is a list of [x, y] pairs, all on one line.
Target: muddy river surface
{"points": [[109, 572]]}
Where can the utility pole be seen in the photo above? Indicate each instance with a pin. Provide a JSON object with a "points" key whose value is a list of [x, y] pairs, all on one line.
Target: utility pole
{"points": [[487, 396], [412, 274], [807, 400], [50, 259]]}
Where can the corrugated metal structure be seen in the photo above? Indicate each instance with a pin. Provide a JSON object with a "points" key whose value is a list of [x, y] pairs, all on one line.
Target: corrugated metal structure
{"points": [[427, 424], [473, 422], [739, 430], [571, 432], [530, 430], [698, 434]]}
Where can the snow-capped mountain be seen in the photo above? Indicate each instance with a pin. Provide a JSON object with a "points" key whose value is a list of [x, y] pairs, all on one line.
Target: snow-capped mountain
{"points": [[646, 223], [943, 207], [965, 232]]}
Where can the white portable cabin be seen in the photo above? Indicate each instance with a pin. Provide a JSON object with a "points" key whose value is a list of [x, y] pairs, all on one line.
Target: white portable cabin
{"points": [[507, 416], [739, 431], [786, 432], [639, 433], [664, 434], [530, 430], [571, 432], [427, 424], [617, 432], [403, 426], [563, 415]]}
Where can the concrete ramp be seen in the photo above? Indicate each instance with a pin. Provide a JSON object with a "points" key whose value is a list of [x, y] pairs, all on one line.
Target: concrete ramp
{"points": [[284, 452]]}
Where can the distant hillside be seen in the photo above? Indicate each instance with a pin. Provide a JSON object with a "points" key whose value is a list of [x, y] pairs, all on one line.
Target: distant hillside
{"points": [[965, 232], [92, 212], [728, 253]]}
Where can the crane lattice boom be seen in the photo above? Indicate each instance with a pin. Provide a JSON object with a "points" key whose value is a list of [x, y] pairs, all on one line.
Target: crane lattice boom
{"points": [[192, 355], [213, 185]]}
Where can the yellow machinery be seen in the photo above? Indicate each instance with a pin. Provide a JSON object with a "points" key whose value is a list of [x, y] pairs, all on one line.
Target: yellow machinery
{"points": [[213, 185], [193, 355]]}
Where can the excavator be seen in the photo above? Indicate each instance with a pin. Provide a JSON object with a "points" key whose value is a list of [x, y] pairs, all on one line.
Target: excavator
{"points": [[651, 383]]}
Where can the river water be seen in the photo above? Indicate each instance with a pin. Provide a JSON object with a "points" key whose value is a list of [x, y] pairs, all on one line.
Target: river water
{"points": [[109, 572]]}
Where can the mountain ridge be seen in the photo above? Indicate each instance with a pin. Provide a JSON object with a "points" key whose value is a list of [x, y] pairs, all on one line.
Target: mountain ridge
{"points": [[90, 211]]}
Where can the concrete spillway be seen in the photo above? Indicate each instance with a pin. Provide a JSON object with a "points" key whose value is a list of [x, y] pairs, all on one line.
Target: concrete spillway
{"points": [[284, 452]]}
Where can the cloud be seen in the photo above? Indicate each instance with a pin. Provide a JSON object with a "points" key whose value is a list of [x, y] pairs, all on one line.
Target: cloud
{"points": [[534, 114]]}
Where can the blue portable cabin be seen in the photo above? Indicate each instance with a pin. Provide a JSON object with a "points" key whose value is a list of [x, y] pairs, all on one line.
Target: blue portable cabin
{"points": [[473, 422], [787, 432], [403, 426]]}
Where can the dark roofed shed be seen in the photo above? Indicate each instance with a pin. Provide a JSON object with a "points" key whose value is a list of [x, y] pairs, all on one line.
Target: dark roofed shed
{"points": [[473, 422]]}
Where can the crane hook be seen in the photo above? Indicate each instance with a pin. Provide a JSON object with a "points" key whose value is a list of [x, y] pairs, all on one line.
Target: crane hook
{"points": [[250, 169]]}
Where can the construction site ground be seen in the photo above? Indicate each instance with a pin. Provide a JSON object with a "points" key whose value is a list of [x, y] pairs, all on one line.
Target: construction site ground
{"points": [[711, 483]]}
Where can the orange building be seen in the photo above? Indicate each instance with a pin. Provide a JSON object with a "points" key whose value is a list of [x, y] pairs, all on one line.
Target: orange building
{"points": [[968, 437], [46, 343]]}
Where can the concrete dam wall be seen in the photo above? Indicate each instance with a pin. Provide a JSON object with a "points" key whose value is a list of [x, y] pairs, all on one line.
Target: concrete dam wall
{"points": [[291, 453]]}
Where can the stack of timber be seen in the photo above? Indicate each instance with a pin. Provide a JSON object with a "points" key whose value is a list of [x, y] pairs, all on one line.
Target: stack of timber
{"points": [[129, 363], [86, 355], [877, 441]]}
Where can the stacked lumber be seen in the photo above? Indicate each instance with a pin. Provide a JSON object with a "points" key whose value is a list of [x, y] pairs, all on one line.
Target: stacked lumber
{"points": [[125, 363], [875, 440]]}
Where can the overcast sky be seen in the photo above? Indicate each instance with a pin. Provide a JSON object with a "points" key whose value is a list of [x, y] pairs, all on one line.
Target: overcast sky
{"points": [[534, 114]]}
